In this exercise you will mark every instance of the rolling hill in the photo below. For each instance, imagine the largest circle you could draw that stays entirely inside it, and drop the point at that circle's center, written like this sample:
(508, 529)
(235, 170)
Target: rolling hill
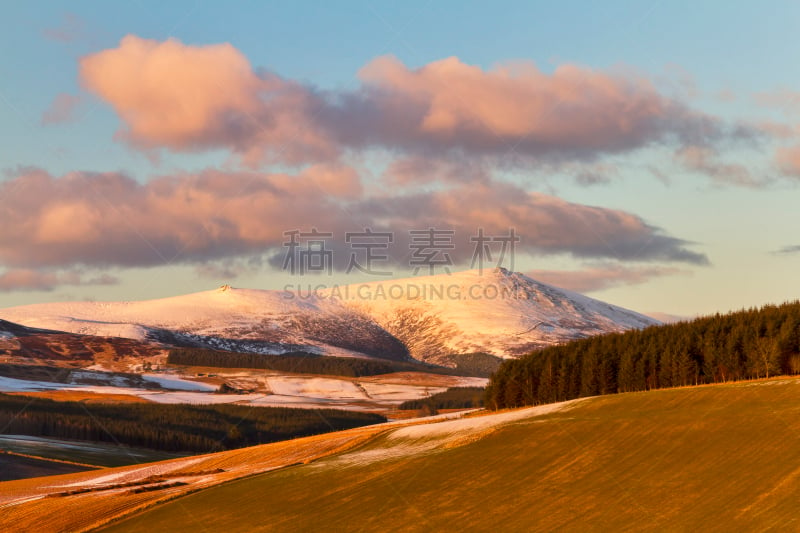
(29, 344)
(716, 458)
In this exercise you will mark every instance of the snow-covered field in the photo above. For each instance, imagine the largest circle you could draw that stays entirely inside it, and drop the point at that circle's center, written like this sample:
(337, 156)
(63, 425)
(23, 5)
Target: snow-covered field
(176, 383)
(274, 390)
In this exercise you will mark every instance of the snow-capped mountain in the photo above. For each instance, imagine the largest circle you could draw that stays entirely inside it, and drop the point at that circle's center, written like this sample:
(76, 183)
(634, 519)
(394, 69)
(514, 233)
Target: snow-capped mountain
(494, 311)
(226, 318)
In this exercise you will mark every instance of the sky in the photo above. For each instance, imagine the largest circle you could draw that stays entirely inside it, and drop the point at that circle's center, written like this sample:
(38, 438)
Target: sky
(644, 153)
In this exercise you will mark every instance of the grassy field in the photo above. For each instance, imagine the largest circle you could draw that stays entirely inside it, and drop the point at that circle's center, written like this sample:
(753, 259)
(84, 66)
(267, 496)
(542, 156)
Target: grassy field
(84, 501)
(717, 458)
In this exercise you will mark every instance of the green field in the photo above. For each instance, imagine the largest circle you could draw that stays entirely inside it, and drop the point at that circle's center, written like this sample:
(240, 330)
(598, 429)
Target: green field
(717, 458)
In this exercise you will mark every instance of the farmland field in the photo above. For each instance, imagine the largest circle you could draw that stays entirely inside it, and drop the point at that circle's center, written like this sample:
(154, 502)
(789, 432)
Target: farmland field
(20, 467)
(707, 458)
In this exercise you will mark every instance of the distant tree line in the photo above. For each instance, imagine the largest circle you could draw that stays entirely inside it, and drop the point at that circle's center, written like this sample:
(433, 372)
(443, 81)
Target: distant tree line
(754, 343)
(299, 362)
(452, 398)
(310, 363)
(172, 428)
(477, 364)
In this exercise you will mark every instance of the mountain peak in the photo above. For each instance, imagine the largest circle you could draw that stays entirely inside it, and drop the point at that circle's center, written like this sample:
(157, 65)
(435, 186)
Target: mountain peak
(491, 310)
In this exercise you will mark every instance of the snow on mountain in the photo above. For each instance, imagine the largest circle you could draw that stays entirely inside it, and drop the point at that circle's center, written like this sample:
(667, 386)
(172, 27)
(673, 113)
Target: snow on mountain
(226, 318)
(429, 317)
(494, 311)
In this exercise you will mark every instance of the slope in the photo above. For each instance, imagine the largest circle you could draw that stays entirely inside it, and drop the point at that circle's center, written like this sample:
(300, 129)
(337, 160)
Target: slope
(493, 311)
(716, 458)
(19, 343)
(226, 318)
(431, 317)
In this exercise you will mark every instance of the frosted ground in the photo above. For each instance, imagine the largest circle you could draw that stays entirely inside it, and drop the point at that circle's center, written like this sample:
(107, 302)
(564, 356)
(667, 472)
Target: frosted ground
(269, 390)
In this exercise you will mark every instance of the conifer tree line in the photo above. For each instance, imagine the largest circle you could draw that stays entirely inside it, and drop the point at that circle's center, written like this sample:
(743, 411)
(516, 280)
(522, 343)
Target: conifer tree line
(754, 343)
(297, 362)
(452, 398)
(171, 428)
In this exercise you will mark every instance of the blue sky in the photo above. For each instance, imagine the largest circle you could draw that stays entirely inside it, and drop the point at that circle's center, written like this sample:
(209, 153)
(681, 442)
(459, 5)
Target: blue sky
(728, 197)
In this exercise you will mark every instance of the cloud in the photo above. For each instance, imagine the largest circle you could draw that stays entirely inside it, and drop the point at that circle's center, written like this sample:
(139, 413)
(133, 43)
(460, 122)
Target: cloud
(218, 271)
(190, 98)
(414, 170)
(109, 219)
(787, 100)
(103, 220)
(703, 159)
(186, 98)
(23, 279)
(725, 95)
(776, 130)
(62, 109)
(788, 250)
(513, 108)
(549, 225)
(788, 159)
(601, 277)
(589, 174)
(71, 28)
(230, 268)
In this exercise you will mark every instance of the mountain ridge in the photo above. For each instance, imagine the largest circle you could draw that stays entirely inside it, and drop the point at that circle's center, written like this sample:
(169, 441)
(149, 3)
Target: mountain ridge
(426, 318)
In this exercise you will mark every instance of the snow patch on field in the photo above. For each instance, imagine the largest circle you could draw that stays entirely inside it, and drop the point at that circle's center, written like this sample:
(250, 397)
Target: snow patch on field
(153, 469)
(397, 393)
(282, 391)
(314, 387)
(440, 432)
(475, 424)
(24, 385)
(176, 383)
(197, 398)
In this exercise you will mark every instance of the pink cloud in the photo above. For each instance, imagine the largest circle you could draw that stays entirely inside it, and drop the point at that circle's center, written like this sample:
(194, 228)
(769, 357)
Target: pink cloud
(705, 160)
(725, 95)
(187, 98)
(601, 277)
(548, 224)
(783, 98)
(25, 279)
(414, 170)
(788, 159)
(513, 113)
(190, 98)
(70, 29)
(62, 109)
(110, 220)
(460, 105)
